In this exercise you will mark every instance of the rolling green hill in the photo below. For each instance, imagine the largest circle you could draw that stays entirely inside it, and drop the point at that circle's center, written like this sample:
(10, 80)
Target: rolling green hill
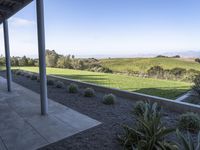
(143, 64)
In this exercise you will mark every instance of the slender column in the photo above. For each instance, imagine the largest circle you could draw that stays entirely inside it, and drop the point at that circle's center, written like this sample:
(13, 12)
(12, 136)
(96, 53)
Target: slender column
(41, 51)
(7, 54)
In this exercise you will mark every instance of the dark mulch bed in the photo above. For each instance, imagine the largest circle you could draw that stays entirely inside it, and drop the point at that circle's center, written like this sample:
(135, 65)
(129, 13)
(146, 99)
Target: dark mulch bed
(102, 137)
(194, 99)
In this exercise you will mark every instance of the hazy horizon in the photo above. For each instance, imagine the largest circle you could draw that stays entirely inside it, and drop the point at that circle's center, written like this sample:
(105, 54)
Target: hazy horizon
(108, 27)
(184, 54)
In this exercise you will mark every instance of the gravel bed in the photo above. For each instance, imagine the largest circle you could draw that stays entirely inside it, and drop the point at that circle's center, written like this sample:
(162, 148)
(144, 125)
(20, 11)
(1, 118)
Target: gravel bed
(193, 98)
(102, 137)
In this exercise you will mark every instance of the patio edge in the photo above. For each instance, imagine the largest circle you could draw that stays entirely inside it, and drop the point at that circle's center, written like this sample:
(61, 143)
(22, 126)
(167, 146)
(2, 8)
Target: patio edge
(177, 106)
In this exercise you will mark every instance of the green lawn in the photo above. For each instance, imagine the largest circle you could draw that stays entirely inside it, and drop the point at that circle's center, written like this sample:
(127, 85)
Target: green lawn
(143, 64)
(162, 88)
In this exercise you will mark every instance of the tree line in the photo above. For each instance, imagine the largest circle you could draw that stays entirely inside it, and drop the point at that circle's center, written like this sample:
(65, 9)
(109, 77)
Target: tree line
(56, 60)
(20, 61)
(53, 59)
(172, 74)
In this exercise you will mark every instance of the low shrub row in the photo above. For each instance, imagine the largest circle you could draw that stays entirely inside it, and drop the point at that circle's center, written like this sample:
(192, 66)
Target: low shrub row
(108, 99)
(172, 74)
(158, 72)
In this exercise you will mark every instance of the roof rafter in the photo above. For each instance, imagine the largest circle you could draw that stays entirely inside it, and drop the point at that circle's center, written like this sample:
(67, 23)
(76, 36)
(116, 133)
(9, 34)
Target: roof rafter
(5, 9)
(10, 7)
(15, 1)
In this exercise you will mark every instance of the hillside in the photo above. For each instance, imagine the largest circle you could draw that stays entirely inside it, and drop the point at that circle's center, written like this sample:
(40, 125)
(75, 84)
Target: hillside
(143, 64)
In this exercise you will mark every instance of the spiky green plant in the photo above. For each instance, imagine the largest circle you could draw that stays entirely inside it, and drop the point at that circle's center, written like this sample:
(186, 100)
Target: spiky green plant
(148, 133)
(189, 121)
(141, 106)
(186, 142)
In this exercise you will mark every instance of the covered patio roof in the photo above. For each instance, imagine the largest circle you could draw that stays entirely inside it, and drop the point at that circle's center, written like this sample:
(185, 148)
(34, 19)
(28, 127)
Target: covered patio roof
(9, 7)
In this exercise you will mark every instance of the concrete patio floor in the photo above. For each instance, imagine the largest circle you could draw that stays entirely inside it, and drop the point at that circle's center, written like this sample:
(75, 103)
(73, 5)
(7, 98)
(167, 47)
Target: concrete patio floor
(23, 128)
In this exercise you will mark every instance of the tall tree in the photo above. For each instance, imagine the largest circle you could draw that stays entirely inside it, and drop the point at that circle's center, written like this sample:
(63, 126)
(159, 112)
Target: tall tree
(51, 58)
(23, 61)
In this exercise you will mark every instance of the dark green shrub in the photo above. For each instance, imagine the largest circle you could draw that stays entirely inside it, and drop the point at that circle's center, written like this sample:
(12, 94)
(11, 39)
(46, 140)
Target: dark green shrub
(107, 70)
(197, 60)
(100, 69)
(73, 88)
(18, 72)
(167, 74)
(109, 99)
(148, 132)
(59, 84)
(33, 77)
(38, 78)
(50, 82)
(186, 142)
(156, 71)
(191, 75)
(189, 121)
(22, 73)
(140, 107)
(28, 75)
(176, 56)
(89, 92)
(14, 71)
(196, 86)
(178, 72)
(161, 56)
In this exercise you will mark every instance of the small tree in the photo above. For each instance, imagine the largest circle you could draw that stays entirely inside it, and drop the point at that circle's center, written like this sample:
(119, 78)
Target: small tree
(2, 60)
(156, 71)
(51, 60)
(23, 61)
(31, 62)
(178, 72)
(196, 86)
(64, 62)
(14, 61)
(197, 60)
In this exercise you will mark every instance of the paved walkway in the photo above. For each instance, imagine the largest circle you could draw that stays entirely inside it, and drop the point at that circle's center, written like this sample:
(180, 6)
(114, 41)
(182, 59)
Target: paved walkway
(183, 97)
(23, 128)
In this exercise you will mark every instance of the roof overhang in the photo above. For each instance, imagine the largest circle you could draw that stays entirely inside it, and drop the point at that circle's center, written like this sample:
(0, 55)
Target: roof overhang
(9, 7)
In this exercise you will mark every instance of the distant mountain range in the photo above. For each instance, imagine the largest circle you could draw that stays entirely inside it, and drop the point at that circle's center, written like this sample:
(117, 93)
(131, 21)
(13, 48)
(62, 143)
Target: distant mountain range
(187, 54)
(190, 53)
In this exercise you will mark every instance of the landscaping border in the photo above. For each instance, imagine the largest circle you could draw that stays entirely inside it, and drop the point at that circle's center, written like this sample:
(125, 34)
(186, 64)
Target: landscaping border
(173, 105)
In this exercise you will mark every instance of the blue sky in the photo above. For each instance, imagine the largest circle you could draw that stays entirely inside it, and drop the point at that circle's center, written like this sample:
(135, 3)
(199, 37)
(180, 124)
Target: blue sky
(108, 27)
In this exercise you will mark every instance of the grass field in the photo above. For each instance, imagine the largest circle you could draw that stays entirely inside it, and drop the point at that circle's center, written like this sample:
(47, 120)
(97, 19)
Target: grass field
(162, 88)
(143, 64)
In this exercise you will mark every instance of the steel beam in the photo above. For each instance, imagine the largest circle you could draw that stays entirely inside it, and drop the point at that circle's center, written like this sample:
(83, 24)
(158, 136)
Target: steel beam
(41, 51)
(7, 54)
